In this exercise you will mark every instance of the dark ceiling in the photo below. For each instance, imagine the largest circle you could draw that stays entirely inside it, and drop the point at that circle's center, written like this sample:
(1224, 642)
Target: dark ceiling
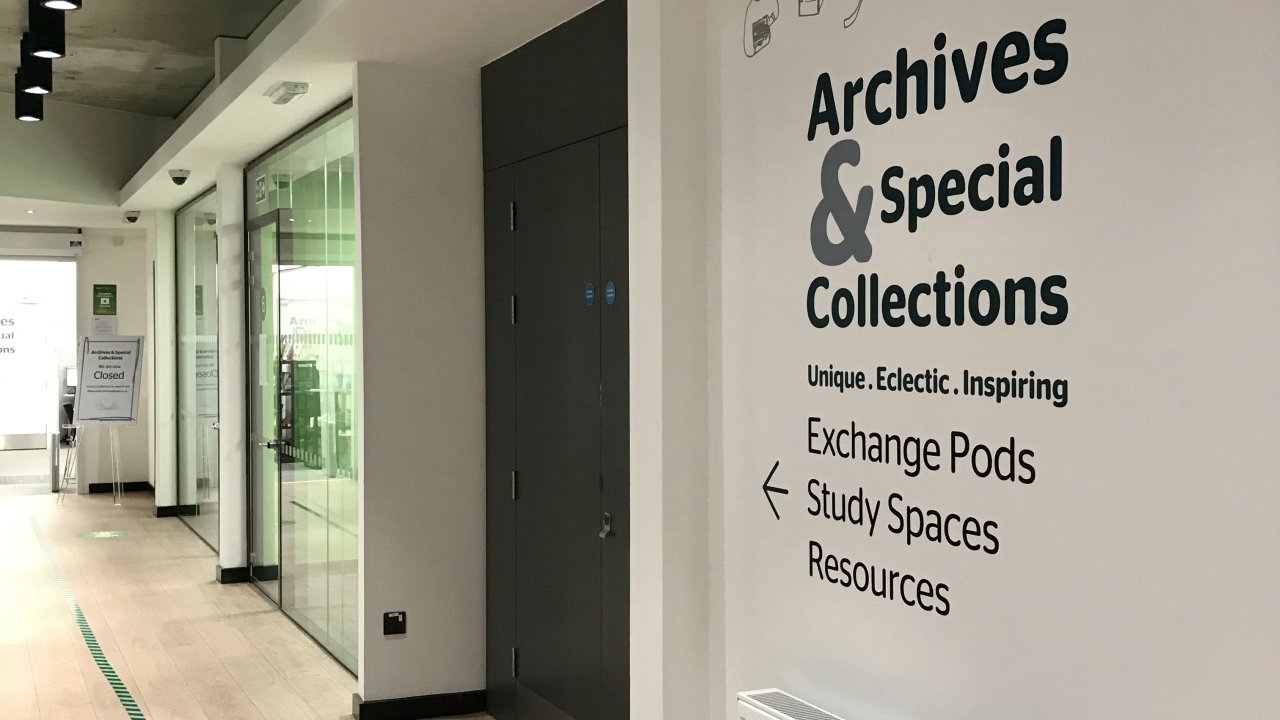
(145, 56)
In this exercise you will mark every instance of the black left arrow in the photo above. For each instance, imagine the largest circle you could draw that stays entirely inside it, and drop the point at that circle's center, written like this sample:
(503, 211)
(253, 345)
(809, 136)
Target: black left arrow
(769, 489)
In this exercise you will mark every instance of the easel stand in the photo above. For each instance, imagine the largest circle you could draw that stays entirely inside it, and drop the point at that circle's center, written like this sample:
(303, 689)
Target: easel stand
(70, 473)
(117, 484)
(110, 371)
(73, 471)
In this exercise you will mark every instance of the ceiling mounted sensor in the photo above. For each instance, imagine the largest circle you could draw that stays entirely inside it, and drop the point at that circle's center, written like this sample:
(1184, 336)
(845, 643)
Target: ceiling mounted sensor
(48, 31)
(35, 74)
(62, 4)
(283, 93)
(27, 107)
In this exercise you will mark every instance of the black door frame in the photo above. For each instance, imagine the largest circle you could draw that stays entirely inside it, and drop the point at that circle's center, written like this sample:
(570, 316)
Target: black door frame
(277, 217)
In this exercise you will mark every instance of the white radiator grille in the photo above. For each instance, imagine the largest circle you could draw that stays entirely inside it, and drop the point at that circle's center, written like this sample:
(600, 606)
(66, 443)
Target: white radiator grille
(786, 706)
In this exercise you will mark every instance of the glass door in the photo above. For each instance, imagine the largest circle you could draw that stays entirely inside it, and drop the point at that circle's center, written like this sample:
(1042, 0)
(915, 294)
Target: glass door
(305, 491)
(268, 420)
(197, 298)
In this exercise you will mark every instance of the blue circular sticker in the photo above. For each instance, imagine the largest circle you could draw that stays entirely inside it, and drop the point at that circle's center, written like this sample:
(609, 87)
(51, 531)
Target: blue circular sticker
(591, 294)
(610, 292)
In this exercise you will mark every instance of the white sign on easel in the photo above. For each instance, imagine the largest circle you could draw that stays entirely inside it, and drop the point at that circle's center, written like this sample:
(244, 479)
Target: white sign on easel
(110, 383)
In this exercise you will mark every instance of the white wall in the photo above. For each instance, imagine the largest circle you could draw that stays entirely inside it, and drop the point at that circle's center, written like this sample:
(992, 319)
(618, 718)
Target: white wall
(78, 154)
(116, 257)
(421, 265)
(675, 576)
(1136, 577)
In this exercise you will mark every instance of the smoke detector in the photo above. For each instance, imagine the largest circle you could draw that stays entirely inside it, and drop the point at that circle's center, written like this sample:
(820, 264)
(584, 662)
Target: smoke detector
(283, 93)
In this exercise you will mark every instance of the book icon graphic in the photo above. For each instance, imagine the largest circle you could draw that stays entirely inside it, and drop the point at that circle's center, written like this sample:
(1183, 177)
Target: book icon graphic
(757, 31)
(849, 21)
(810, 8)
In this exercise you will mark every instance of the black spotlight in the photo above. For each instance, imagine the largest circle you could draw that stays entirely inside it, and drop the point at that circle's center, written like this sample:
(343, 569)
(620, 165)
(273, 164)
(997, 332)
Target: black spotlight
(62, 4)
(27, 107)
(35, 73)
(48, 31)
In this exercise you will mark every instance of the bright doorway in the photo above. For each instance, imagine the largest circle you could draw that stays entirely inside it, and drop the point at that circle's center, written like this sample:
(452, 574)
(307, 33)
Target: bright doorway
(37, 349)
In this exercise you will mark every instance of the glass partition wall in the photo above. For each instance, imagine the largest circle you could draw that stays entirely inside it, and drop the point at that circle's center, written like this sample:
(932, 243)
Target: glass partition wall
(197, 297)
(303, 492)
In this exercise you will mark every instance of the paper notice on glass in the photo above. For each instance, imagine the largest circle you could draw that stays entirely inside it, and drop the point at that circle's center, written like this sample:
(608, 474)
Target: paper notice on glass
(207, 378)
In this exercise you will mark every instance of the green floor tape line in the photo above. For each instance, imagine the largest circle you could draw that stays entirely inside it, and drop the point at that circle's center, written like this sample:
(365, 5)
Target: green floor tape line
(86, 632)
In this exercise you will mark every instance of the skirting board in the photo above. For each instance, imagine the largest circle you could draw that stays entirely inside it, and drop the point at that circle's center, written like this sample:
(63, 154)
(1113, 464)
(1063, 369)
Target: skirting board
(167, 511)
(135, 486)
(421, 707)
(233, 576)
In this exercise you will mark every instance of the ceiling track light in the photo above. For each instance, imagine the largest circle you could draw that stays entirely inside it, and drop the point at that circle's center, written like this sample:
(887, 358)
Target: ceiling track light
(62, 4)
(27, 107)
(35, 74)
(48, 31)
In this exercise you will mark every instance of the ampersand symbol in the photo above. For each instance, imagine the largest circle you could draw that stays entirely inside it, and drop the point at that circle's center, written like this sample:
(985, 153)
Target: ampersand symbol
(851, 221)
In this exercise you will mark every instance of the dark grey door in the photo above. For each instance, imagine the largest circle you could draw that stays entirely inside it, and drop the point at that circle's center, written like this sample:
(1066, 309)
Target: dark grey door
(559, 521)
(615, 423)
(557, 373)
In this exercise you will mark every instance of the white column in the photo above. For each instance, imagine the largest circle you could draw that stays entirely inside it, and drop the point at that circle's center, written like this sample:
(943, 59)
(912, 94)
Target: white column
(232, 410)
(164, 360)
(421, 345)
(677, 615)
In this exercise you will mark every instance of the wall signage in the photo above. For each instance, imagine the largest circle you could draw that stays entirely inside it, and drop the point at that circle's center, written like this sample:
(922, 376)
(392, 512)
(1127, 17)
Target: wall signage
(8, 331)
(918, 86)
(841, 232)
(104, 300)
(995, 361)
(105, 310)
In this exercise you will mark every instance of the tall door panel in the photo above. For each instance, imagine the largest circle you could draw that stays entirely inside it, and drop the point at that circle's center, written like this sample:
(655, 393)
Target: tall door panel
(615, 378)
(559, 519)
(557, 377)
(197, 369)
(500, 428)
(264, 405)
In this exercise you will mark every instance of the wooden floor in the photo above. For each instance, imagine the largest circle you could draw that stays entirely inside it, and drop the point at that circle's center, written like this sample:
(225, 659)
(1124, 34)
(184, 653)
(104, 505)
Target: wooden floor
(186, 647)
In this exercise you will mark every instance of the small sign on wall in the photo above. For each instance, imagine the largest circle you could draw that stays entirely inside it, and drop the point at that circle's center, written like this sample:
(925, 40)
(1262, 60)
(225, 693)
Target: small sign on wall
(105, 308)
(104, 300)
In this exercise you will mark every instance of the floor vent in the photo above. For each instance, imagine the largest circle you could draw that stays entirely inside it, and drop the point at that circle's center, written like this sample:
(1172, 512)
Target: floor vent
(777, 705)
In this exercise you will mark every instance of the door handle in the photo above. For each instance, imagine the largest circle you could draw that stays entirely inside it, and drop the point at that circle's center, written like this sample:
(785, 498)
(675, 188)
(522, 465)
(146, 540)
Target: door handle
(271, 444)
(606, 526)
